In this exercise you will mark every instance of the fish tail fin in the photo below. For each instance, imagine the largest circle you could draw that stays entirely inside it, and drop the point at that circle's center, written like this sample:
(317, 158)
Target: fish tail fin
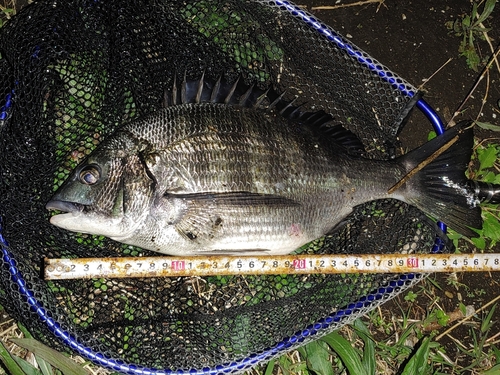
(436, 181)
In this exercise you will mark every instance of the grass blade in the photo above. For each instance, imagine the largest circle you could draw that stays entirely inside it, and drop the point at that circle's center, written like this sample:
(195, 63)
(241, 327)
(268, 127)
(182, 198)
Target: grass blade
(45, 367)
(349, 356)
(56, 359)
(318, 358)
(270, 367)
(487, 323)
(9, 362)
(418, 362)
(28, 368)
(488, 126)
(369, 346)
(495, 370)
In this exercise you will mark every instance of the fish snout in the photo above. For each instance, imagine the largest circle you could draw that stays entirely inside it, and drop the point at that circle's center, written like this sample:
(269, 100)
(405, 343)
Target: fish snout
(63, 206)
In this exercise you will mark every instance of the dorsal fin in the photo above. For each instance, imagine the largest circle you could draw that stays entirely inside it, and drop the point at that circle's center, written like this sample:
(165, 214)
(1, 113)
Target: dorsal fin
(261, 98)
(277, 100)
(200, 89)
(340, 135)
(213, 95)
(289, 110)
(205, 90)
(246, 97)
(230, 95)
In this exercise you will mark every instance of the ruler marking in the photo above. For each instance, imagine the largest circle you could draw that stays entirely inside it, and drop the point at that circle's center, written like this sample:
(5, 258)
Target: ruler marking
(284, 264)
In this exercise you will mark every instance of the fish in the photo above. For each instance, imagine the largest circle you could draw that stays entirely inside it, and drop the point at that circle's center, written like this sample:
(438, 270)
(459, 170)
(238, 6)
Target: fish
(227, 168)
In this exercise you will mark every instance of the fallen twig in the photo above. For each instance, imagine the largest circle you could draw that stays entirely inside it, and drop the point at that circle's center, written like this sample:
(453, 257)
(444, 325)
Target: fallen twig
(467, 318)
(453, 316)
(357, 3)
(423, 164)
(433, 74)
(488, 40)
(492, 59)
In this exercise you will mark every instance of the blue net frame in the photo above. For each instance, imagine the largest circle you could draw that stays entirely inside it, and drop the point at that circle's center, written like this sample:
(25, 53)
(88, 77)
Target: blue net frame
(310, 332)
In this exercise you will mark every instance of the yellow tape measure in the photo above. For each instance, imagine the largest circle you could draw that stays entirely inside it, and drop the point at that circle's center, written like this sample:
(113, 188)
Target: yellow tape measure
(85, 268)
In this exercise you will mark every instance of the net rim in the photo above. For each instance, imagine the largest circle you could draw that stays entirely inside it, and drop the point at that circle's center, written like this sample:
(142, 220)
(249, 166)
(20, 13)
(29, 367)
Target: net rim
(307, 334)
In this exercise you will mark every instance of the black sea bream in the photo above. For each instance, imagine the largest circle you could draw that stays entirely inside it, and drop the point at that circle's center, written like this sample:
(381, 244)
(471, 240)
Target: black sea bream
(216, 172)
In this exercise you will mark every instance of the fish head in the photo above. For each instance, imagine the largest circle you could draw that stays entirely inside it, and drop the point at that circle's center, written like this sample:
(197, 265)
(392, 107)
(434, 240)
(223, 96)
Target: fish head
(109, 194)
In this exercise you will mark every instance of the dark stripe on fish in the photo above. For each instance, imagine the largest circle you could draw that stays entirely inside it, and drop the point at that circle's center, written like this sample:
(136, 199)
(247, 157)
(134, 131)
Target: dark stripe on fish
(237, 198)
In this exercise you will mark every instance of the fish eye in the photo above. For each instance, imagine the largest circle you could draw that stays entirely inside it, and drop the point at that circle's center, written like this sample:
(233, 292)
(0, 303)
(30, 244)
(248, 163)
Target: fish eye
(90, 174)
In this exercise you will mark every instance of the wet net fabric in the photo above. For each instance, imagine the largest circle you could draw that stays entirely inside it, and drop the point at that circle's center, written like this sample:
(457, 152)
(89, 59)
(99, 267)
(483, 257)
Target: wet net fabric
(73, 71)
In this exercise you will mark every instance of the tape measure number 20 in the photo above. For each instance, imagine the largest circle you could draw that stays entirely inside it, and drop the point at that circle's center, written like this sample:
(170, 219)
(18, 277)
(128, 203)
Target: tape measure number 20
(255, 265)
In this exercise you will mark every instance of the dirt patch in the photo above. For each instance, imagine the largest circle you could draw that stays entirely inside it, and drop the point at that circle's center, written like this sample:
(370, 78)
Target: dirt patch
(411, 38)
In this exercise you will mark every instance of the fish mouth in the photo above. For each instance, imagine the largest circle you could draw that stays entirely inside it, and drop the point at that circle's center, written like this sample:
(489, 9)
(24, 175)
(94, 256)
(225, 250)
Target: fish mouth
(63, 206)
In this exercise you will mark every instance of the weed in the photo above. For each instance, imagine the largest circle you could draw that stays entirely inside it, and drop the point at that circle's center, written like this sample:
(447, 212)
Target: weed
(470, 27)
(46, 361)
(485, 167)
(438, 316)
(411, 296)
(7, 10)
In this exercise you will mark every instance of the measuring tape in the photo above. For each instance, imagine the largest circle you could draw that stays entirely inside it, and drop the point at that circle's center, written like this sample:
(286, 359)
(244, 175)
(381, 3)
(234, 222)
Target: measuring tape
(85, 268)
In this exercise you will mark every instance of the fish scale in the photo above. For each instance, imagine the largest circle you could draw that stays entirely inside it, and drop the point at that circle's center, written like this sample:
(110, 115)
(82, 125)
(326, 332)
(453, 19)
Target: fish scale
(240, 178)
(237, 168)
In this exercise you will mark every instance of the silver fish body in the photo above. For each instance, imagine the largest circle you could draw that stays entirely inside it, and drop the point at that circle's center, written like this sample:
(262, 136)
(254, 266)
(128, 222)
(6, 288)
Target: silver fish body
(205, 178)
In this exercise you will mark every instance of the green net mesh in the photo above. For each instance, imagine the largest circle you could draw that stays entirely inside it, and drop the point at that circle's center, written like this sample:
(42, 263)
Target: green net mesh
(72, 71)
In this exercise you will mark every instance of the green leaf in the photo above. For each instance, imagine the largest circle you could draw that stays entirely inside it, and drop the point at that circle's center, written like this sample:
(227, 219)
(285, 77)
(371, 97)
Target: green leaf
(463, 308)
(27, 367)
(318, 358)
(495, 370)
(368, 359)
(417, 364)
(432, 134)
(9, 362)
(487, 126)
(349, 356)
(491, 227)
(488, 8)
(56, 359)
(270, 367)
(466, 21)
(471, 56)
(479, 242)
(488, 177)
(487, 157)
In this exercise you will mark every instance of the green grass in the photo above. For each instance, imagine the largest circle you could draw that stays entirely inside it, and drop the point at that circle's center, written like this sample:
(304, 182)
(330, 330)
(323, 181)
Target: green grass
(470, 28)
(409, 347)
(486, 168)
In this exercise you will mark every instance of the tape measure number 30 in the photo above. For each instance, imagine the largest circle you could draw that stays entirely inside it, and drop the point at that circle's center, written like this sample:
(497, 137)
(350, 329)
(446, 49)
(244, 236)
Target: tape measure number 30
(254, 265)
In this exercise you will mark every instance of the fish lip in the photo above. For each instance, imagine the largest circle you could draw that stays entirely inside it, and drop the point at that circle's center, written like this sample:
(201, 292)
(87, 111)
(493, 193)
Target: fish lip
(64, 206)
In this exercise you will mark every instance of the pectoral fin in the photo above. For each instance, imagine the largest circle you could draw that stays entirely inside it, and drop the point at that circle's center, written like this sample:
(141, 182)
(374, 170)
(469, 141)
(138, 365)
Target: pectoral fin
(205, 215)
(199, 227)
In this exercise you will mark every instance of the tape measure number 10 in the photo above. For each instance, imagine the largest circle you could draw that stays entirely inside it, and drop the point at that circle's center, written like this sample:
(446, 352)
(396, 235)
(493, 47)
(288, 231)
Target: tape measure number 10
(254, 265)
